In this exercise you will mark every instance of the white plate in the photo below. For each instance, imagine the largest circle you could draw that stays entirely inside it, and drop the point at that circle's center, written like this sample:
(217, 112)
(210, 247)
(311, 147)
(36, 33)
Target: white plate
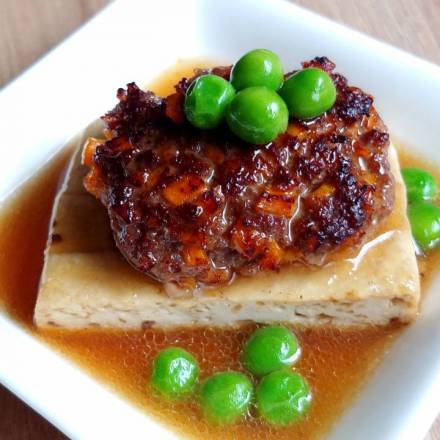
(135, 41)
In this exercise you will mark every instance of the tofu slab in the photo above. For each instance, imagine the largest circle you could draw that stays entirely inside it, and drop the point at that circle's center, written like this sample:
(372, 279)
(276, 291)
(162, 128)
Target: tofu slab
(87, 283)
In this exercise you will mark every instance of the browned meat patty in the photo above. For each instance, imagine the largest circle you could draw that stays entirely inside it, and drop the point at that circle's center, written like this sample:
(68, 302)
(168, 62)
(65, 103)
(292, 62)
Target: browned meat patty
(197, 207)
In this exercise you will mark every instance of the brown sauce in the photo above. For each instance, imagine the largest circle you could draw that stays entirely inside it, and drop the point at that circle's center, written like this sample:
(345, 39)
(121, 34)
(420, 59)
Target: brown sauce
(337, 364)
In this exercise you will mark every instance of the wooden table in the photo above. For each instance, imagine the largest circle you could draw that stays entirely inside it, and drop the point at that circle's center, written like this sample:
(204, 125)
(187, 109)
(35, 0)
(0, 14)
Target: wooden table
(28, 28)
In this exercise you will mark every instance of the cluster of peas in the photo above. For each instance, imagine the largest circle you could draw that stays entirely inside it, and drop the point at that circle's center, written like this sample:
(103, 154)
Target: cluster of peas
(256, 102)
(282, 396)
(424, 215)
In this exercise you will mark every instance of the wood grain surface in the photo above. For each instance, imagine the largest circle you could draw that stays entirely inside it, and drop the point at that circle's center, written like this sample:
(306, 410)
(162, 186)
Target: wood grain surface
(29, 28)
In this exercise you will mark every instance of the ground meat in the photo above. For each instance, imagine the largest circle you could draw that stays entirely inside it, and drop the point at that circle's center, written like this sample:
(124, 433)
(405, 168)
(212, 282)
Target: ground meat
(197, 207)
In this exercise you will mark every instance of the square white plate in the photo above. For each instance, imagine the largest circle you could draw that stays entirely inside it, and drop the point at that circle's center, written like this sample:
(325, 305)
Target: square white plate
(129, 41)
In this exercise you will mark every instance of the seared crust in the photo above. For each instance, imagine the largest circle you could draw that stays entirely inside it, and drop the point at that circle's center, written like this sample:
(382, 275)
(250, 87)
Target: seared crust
(195, 207)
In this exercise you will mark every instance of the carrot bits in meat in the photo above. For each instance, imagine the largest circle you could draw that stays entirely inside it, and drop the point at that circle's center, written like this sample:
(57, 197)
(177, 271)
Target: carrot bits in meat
(89, 150)
(273, 256)
(276, 205)
(183, 190)
(195, 256)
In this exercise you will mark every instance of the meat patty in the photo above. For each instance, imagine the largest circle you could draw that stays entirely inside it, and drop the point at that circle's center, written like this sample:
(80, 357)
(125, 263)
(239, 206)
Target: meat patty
(195, 207)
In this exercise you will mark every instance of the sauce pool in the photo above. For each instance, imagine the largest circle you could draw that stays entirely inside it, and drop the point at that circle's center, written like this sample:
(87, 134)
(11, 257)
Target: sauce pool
(337, 364)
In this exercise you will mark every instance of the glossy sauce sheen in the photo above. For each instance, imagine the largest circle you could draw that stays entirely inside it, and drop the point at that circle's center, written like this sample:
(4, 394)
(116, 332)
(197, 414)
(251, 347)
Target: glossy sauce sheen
(335, 363)
(197, 208)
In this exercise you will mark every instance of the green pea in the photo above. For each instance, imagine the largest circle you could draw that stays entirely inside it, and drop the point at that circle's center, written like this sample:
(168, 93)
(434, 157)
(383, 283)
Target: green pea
(226, 396)
(206, 101)
(425, 224)
(308, 93)
(175, 373)
(257, 115)
(420, 185)
(259, 67)
(283, 397)
(269, 349)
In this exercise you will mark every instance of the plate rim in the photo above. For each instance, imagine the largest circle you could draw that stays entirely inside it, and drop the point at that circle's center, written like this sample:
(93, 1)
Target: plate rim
(428, 67)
